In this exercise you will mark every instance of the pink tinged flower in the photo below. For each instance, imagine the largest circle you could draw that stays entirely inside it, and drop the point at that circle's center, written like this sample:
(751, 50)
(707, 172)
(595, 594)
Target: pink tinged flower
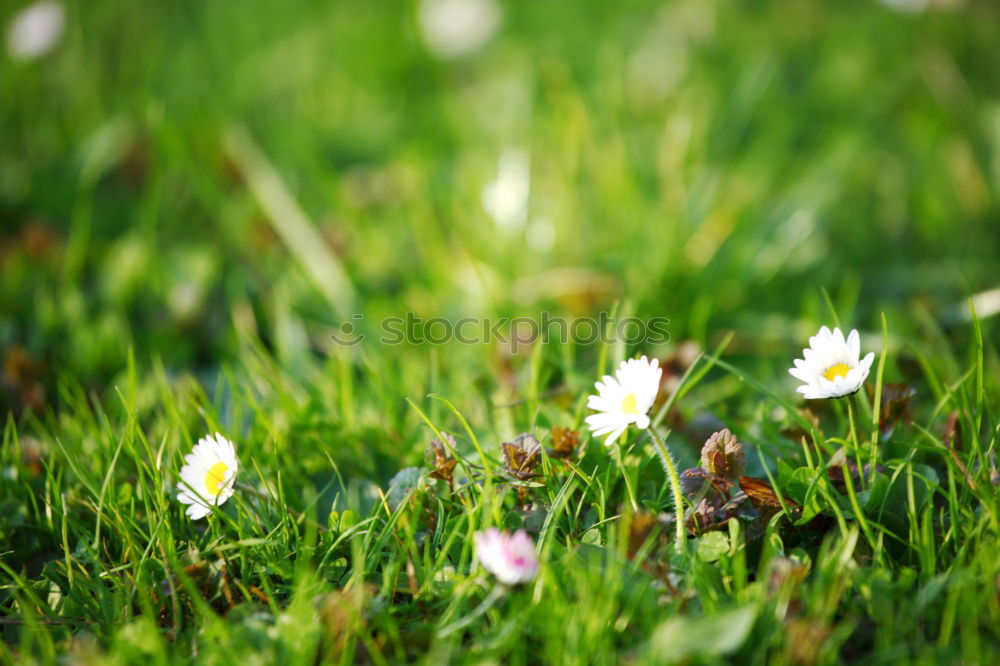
(509, 557)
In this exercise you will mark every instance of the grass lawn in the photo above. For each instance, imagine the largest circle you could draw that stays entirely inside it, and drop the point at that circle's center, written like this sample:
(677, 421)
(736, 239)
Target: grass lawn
(371, 242)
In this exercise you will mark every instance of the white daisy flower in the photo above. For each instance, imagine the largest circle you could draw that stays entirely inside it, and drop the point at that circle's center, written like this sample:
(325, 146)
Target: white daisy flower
(624, 399)
(35, 30)
(208, 476)
(832, 366)
(509, 557)
(452, 28)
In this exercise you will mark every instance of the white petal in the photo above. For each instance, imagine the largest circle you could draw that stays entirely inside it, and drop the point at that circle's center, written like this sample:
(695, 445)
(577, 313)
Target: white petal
(605, 429)
(603, 418)
(607, 383)
(800, 374)
(854, 343)
(838, 338)
(603, 403)
(197, 511)
(613, 437)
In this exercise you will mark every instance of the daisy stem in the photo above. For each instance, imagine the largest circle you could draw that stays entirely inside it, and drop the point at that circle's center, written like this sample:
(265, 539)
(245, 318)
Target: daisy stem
(856, 444)
(675, 485)
(628, 480)
(877, 401)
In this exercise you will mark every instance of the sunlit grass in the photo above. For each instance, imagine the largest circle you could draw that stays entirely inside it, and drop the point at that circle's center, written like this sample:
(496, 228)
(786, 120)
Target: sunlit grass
(899, 566)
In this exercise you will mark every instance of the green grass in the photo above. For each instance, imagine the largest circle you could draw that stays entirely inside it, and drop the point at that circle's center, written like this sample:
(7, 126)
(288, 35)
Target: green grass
(100, 556)
(194, 197)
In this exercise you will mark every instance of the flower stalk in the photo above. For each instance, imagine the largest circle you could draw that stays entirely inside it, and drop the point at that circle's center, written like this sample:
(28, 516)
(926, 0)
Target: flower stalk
(620, 459)
(675, 486)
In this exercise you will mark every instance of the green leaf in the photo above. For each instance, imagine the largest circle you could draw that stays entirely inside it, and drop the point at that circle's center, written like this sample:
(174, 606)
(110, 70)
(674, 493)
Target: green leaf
(139, 639)
(712, 546)
(872, 498)
(785, 472)
(711, 636)
(803, 487)
(348, 519)
(925, 479)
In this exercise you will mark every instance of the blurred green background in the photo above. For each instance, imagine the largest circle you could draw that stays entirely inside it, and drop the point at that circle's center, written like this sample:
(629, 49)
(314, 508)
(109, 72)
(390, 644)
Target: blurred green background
(178, 177)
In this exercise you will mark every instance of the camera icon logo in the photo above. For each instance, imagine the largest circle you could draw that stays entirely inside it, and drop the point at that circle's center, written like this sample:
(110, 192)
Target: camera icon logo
(348, 334)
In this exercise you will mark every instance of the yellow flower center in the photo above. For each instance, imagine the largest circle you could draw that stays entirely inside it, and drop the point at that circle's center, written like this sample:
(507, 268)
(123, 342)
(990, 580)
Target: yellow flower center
(216, 477)
(838, 370)
(629, 405)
